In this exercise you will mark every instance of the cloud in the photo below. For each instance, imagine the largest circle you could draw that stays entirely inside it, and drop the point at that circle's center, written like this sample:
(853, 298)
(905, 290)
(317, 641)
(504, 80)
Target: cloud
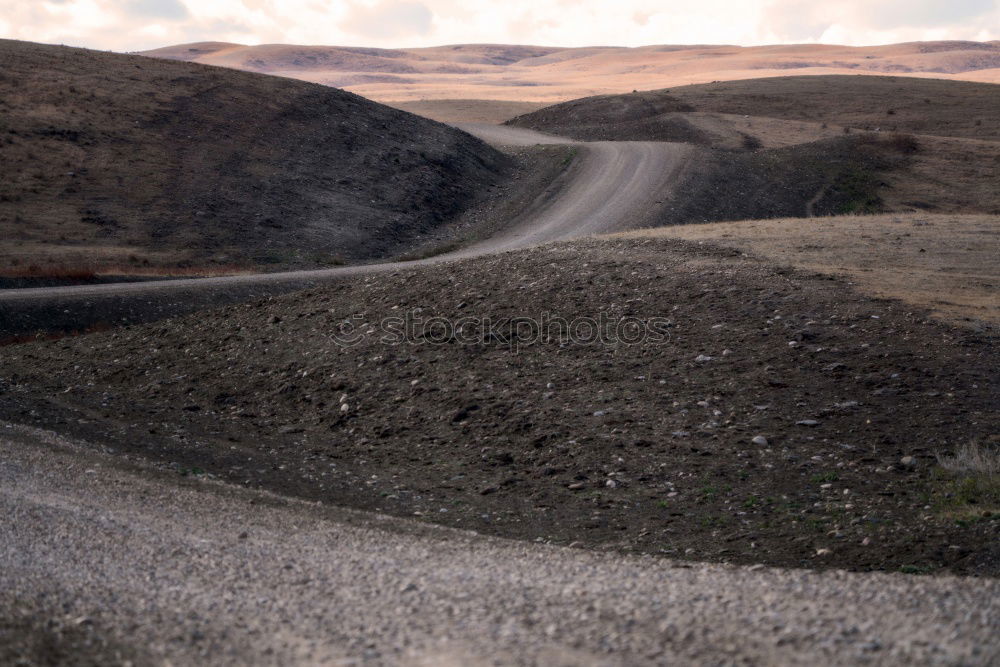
(797, 20)
(173, 10)
(389, 18)
(925, 13)
(143, 24)
(860, 22)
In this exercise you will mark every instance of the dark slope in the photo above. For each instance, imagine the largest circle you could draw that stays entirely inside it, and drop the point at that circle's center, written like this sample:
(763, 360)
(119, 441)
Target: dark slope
(113, 157)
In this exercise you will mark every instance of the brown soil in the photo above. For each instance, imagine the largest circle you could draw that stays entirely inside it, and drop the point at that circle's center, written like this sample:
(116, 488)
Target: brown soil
(947, 175)
(111, 159)
(945, 263)
(643, 447)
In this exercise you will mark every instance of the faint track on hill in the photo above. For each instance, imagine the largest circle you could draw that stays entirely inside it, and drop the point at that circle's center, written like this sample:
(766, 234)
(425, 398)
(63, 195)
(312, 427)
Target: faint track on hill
(609, 186)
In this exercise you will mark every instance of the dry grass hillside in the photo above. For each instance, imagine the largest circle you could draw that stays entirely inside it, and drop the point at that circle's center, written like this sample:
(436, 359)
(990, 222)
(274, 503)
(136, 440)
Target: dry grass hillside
(949, 264)
(888, 104)
(113, 159)
(549, 74)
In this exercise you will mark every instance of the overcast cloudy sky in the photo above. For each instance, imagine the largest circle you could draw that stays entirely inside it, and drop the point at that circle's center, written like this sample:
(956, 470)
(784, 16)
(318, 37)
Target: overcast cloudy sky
(140, 24)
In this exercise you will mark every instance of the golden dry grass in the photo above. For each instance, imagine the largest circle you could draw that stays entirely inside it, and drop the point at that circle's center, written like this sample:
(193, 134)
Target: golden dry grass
(549, 74)
(949, 264)
(882, 103)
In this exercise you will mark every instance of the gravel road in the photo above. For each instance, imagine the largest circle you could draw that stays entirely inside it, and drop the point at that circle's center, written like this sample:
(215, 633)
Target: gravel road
(165, 569)
(610, 186)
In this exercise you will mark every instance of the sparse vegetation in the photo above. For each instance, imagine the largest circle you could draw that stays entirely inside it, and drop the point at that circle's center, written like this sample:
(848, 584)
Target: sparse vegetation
(973, 460)
(972, 487)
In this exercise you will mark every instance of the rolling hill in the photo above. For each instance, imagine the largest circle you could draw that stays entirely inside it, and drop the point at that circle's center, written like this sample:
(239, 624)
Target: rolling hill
(886, 103)
(118, 159)
(552, 74)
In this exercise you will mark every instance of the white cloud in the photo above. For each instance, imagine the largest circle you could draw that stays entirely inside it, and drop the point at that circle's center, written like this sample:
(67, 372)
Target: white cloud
(389, 19)
(884, 21)
(161, 9)
(135, 24)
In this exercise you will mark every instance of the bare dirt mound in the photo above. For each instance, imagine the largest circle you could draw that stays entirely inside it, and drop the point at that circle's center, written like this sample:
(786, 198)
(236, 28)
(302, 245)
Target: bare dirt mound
(781, 417)
(889, 104)
(122, 159)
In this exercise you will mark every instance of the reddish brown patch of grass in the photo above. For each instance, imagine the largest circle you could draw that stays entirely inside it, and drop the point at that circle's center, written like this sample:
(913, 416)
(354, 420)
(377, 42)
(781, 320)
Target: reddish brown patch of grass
(30, 338)
(92, 272)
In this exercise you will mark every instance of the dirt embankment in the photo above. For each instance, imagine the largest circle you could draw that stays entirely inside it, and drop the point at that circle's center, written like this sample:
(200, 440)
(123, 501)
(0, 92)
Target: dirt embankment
(782, 418)
(116, 160)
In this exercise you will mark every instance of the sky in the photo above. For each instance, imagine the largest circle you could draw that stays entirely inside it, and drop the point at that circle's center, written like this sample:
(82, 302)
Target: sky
(128, 25)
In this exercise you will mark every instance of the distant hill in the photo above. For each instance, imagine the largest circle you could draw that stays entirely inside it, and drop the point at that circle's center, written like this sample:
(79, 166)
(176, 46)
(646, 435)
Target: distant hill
(552, 74)
(893, 104)
(119, 158)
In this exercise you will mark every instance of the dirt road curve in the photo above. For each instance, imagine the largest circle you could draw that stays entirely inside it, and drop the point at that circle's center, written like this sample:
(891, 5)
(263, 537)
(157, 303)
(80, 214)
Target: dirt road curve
(156, 567)
(611, 186)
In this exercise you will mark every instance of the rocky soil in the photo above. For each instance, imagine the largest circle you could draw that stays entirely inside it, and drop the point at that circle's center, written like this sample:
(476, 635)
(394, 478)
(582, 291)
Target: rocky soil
(781, 418)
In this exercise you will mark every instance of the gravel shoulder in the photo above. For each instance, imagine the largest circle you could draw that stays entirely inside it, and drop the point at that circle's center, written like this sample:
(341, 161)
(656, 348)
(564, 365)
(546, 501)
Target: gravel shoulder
(109, 561)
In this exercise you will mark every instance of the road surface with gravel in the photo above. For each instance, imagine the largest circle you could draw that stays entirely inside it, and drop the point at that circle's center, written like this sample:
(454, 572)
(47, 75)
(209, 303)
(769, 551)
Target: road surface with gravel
(145, 565)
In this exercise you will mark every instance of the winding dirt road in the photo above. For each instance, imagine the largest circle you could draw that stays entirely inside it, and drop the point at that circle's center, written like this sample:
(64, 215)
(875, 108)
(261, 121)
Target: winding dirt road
(610, 186)
(107, 560)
